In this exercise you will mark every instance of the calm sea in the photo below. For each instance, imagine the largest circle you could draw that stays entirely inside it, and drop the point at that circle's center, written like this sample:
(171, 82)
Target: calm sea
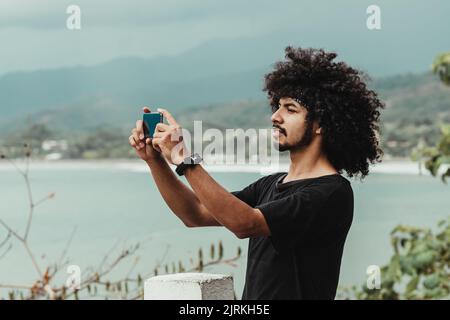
(113, 205)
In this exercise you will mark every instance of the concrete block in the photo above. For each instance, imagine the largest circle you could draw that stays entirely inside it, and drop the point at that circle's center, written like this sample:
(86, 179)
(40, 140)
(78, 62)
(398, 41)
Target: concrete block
(189, 286)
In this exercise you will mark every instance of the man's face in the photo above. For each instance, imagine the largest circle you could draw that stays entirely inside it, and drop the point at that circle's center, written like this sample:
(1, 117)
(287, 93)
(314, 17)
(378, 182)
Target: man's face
(290, 128)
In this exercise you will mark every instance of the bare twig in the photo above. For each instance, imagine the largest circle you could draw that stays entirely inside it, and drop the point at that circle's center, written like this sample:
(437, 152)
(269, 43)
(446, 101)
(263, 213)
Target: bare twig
(23, 239)
(66, 248)
(24, 243)
(135, 262)
(14, 165)
(6, 251)
(47, 197)
(122, 255)
(27, 157)
(106, 256)
(216, 262)
(33, 259)
(31, 209)
(160, 262)
(8, 236)
(8, 228)
(95, 276)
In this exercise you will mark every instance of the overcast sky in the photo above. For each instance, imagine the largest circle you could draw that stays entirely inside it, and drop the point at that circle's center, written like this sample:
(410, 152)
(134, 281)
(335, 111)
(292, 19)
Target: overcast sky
(33, 33)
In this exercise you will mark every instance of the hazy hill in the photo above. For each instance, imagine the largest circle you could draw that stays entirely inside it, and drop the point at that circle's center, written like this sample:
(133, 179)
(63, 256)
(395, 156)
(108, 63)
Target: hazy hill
(193, 77)
(224, 93)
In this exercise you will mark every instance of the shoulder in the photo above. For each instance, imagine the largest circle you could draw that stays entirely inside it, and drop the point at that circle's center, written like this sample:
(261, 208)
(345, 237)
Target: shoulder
(328, 188)
(333, 198)
(331, 183)
(341, 187)
(341, 199)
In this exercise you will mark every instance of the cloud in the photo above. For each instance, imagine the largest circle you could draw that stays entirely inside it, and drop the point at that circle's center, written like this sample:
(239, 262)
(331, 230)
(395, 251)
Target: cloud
(118, 13)
(33, 33)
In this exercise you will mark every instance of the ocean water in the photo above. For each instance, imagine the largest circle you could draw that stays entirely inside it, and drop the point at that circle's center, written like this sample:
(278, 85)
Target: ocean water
(114, 205)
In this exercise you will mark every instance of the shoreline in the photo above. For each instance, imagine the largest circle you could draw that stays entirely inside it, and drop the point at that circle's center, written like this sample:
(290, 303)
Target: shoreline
(137, 165)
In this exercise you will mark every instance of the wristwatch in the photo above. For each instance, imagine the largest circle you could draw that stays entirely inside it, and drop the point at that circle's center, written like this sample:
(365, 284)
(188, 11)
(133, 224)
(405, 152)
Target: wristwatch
(190, 161)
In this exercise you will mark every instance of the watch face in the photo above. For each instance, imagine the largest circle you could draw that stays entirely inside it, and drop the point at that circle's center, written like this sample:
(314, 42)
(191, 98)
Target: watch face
(193, 159)
(196, 158)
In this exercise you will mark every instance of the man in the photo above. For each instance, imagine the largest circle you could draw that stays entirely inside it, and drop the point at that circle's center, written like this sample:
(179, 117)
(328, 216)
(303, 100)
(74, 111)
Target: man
(298, 221)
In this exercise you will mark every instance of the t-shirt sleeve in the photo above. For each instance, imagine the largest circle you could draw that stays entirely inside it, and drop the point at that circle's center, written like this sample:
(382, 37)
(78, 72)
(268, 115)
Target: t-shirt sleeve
(248, 194)
(251, 193)
(291, 219)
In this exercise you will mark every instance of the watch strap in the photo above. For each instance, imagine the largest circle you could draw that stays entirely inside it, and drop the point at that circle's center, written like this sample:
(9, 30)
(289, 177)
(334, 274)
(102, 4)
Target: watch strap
(188, 162)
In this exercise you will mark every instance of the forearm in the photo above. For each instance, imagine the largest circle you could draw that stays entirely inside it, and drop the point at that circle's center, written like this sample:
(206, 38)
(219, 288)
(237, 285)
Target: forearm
(180, 199)
(228, 210)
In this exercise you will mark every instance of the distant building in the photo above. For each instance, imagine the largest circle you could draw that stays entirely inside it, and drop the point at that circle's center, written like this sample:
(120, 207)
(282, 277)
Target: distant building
(53, 156)
(54, 148)
(54, 145)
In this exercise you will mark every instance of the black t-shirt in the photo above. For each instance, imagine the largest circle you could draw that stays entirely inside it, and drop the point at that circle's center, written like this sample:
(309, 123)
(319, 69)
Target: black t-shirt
(309, 220)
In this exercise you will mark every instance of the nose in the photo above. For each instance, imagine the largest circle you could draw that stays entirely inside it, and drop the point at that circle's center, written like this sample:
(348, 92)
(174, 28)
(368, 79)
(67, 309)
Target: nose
(276, 117)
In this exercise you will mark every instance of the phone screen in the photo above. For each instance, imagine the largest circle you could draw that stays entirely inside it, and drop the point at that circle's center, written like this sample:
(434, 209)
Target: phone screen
(150, 121)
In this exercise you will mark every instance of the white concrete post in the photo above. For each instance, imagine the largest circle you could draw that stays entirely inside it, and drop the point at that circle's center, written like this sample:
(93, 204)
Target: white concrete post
(189, 286)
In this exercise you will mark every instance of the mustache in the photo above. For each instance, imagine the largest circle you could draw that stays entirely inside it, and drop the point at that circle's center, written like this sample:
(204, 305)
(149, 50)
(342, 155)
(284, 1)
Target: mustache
(279, 128)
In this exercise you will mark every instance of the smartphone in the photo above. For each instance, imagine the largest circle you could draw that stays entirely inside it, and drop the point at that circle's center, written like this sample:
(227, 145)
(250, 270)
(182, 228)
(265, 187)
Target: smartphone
(150, 121)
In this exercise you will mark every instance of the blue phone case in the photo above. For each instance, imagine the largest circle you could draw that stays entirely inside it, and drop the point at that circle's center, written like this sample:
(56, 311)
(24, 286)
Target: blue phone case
(150, 121)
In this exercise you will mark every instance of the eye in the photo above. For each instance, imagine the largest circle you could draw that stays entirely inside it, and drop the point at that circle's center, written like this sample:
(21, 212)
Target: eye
(275, 108)
(291, 110)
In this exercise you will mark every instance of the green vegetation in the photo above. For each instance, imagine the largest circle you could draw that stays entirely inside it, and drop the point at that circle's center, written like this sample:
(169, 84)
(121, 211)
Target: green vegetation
(441, 67)
(419, 267)
(98, 126)
(101, 143)
(97, 144)
(435, 157)
(440, 153)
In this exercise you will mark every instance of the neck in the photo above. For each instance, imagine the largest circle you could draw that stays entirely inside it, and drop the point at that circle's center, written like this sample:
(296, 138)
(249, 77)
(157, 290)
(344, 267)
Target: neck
(308, 162)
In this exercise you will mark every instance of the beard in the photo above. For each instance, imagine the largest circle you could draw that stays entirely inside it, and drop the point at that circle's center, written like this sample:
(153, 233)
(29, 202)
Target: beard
(304, 141)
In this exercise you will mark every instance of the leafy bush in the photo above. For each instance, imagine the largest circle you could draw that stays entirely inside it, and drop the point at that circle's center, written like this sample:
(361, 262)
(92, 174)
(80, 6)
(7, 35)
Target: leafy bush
(419, 268)
(441, 66)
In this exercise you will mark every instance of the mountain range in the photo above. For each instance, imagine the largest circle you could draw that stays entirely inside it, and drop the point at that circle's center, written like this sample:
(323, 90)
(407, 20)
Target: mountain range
(216, 82)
